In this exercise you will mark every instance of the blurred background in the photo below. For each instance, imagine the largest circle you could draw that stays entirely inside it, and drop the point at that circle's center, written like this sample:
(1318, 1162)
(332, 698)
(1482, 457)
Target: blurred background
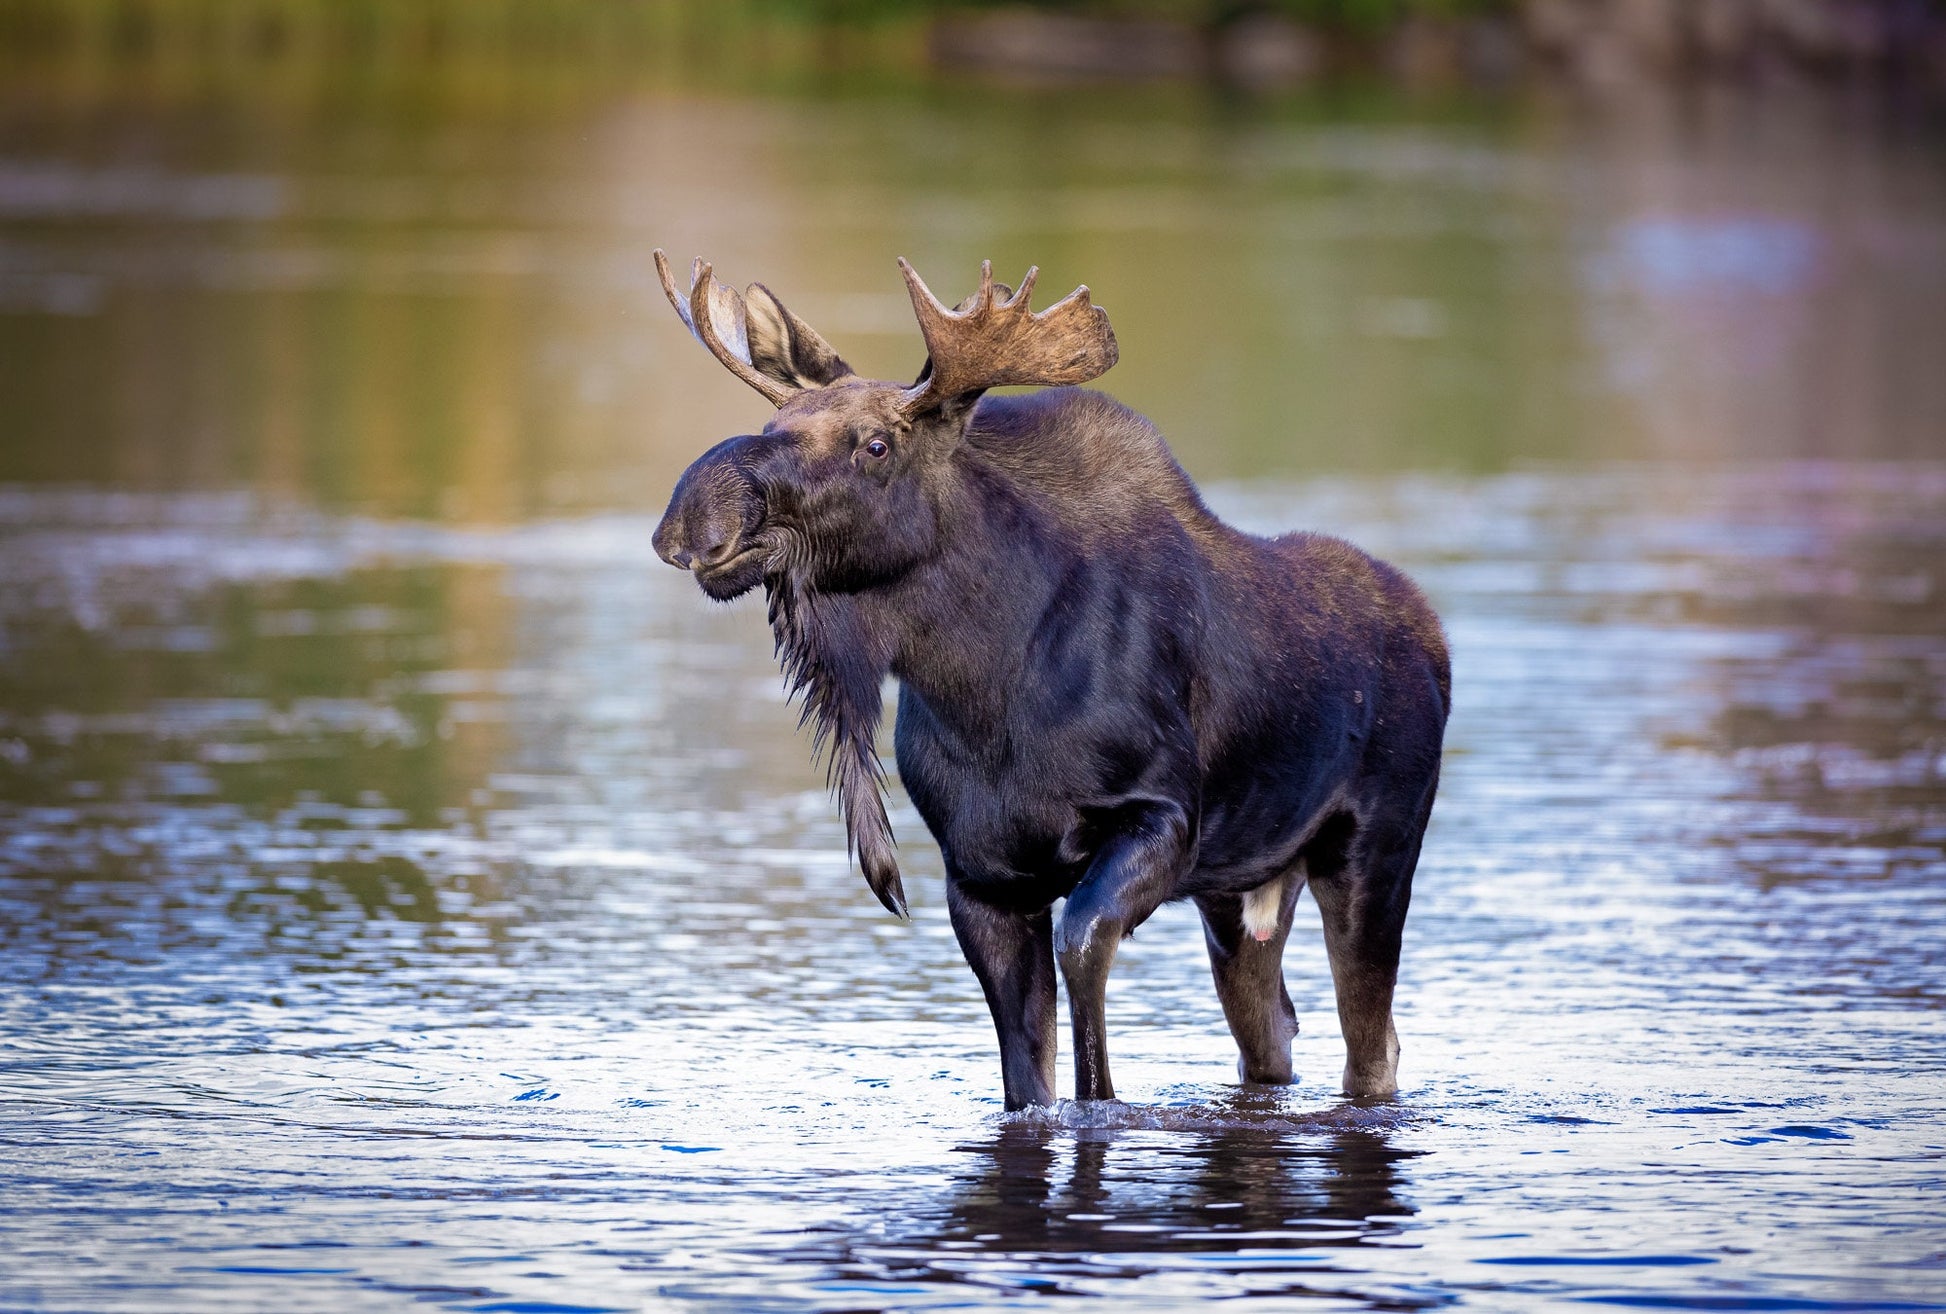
(410, 889)
(395, 256)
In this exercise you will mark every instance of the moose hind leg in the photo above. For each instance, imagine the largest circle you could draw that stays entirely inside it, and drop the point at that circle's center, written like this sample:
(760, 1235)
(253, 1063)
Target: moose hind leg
(1245, 934)
(1363, 886)
(1012, 954)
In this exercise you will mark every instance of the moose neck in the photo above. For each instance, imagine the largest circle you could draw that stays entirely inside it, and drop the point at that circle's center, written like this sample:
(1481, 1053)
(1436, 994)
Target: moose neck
(958, 626)
(955, 628)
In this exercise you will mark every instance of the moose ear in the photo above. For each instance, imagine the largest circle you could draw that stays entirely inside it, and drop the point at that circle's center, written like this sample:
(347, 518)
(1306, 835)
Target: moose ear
(785, 347)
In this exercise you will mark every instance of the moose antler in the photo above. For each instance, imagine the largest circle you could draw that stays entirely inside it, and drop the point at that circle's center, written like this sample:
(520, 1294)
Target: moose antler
(716, 315)
(989, 342)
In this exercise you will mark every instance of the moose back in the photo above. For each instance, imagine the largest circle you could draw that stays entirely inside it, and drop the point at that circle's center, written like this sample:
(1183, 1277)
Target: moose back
(1107, 695)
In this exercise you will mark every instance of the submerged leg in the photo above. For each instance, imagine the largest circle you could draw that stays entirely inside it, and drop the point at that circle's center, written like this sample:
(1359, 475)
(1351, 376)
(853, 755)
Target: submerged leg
(1363, 900)
(1130, 877)
(1246, 956)
(1012, 954)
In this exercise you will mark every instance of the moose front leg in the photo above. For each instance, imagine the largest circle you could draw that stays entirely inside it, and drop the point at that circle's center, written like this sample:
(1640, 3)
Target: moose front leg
(1129, 879)
(1012, 954)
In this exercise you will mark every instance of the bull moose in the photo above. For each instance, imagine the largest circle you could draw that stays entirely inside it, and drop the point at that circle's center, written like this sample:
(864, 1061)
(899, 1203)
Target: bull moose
(1106, 695)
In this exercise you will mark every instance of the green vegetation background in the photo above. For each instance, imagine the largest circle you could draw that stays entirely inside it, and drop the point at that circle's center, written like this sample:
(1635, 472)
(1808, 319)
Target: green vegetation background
(538, 27)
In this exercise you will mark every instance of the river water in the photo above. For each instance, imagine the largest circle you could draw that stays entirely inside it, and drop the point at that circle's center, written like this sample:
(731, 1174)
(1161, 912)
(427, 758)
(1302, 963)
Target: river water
(412, 893)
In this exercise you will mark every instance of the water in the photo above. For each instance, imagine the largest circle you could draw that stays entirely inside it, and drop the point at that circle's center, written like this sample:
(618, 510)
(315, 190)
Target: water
(411, 892)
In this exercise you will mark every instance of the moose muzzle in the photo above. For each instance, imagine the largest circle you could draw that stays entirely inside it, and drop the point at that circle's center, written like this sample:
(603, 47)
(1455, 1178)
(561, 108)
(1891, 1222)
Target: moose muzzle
(712, 521)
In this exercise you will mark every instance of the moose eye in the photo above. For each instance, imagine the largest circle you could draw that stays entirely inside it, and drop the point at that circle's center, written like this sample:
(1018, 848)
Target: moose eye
(877, 450)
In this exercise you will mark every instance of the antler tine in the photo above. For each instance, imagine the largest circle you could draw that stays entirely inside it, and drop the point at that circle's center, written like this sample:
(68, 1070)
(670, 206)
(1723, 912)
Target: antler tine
(703, 306)
(676, 299)
(1024, 297)
(988, 343)
(916, 288)
(713, 308)
(715, 314)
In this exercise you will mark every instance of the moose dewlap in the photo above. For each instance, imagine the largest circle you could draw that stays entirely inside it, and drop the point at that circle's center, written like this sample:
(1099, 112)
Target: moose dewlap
(1107, 695)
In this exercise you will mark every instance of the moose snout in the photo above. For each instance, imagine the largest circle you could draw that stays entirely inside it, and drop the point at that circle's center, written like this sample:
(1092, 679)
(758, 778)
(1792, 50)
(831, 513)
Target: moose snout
(696, 541)
(711, 517)
(704, 558)
(669, 544)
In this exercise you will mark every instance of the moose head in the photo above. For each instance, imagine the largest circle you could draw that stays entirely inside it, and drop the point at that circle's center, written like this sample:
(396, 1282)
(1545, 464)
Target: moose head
(842, 491)
(840, 487)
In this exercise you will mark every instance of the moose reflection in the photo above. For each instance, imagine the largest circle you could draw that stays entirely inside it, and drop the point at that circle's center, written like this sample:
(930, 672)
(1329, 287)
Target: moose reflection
(1046, 1207)
(1108, 695)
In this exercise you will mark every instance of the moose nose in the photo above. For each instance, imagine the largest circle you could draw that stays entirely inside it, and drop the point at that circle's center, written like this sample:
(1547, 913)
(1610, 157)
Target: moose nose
(669, 547)
(713, 512)
(705, 558)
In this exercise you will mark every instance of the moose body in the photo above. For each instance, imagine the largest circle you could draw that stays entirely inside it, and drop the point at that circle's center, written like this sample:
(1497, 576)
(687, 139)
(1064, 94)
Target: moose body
(1107, 695)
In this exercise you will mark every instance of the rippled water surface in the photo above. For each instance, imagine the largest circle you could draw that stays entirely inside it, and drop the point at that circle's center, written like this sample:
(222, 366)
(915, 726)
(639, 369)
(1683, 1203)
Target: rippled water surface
(396, 910)
(412, 892)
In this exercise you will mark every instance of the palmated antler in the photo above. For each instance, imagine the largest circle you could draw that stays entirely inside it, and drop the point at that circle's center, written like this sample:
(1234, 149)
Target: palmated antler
(991, 341)
(716, 315)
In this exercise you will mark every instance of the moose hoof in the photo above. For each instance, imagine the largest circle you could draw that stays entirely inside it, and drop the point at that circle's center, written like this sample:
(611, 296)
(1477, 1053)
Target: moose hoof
(1250, 1076)
(1372, 1085)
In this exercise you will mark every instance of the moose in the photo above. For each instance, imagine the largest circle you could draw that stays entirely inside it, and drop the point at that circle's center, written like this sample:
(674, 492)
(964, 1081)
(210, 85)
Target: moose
(1107, 695)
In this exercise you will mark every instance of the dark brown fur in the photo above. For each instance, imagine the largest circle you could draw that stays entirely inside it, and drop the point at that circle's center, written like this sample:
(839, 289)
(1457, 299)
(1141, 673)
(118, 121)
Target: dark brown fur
(1108, 696)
